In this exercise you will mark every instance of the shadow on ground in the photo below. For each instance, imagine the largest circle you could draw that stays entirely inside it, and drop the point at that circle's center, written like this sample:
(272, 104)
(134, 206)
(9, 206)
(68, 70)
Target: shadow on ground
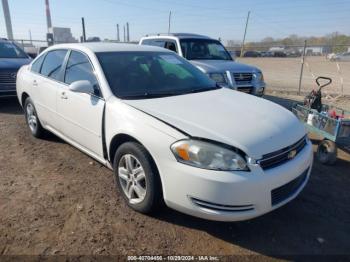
(10, 105)
(287, 103)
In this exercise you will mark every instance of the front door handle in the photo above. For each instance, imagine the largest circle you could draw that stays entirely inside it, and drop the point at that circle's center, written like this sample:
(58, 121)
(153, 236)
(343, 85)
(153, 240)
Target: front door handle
(35, 83)
(64, 95)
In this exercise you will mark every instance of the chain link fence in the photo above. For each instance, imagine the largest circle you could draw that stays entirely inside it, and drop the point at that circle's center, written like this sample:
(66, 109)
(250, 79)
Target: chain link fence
(282, 67)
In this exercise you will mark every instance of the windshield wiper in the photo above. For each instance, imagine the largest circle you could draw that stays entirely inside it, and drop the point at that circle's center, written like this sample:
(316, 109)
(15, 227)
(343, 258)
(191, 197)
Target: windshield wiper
(199, 90)
(148, 95)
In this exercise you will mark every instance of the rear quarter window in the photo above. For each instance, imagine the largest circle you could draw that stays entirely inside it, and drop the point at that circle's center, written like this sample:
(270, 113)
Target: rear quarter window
(36, 66)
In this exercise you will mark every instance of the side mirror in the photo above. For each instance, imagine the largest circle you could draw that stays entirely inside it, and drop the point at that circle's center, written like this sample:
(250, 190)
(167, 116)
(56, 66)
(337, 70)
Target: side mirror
(82, 86)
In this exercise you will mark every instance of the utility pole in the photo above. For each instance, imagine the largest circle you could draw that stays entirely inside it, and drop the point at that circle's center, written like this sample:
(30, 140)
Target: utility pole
(118, 36)
(49, 36)
(169, 24)
(83, 26)
(302, 67)
(124, 33)
(7, 16)
(30, 37)
(245, 33)
(127, 32)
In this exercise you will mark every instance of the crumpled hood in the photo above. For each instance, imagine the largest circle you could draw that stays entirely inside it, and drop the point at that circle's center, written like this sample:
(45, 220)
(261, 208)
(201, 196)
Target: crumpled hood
(252, 124)
(13, 63)
(211, 66)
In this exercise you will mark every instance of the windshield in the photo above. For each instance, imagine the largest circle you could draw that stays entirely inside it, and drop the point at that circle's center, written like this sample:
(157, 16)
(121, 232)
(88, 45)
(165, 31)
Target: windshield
(10, 50)
(207, 49)
(137, 75)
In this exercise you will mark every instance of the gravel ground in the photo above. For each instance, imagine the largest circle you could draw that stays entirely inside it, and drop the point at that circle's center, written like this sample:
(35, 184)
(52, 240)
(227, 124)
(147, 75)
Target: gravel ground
(56, 200)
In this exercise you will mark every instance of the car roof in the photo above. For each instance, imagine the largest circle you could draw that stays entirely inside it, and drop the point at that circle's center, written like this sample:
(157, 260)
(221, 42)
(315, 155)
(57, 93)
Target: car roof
(180, 35)
(109, 47)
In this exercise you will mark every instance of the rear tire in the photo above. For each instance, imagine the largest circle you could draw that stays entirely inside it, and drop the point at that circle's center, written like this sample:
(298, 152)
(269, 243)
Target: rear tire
(32, 119)
(137, 178)
(327, 152)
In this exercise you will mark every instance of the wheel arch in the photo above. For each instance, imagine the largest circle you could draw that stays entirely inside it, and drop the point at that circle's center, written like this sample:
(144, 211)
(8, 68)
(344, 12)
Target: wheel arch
(122, 138)
(24, 96)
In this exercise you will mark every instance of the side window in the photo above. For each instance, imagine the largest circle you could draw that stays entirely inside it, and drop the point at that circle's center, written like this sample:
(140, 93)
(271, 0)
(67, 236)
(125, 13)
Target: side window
(171, 45)
(147, 42)
(36, 66)
(79, 68)
(53, 63)
(156, 42)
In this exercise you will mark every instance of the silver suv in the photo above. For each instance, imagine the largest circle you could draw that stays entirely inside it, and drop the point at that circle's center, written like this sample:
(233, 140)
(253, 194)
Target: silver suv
(210, 56)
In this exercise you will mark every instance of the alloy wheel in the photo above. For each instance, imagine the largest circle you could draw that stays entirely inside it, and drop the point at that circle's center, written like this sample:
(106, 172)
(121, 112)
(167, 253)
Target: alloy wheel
(132, 178)
(31, 118)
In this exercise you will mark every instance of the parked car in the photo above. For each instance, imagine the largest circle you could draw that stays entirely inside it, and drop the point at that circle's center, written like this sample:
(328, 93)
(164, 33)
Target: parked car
(12, 57)
(330, 56)
(93, 39)
(279, 54)
(341, 57)
(251, 54)
(233, 54)
(168, 131)
(266, 54)
(293, 53)
(211, 57)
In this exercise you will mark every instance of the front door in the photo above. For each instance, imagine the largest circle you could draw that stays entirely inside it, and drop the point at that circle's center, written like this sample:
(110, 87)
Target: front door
(80, 115)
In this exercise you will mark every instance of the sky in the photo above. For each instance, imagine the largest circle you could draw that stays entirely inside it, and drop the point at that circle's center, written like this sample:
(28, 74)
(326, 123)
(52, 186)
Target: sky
(223, 19)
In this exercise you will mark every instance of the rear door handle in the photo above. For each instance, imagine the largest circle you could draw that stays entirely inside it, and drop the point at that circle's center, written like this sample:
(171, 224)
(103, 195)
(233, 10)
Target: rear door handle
(64, 95)
(35, 83)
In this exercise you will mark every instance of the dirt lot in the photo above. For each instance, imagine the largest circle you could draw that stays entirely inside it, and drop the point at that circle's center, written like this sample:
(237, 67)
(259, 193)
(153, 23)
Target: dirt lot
(283, 73)
(56, 200)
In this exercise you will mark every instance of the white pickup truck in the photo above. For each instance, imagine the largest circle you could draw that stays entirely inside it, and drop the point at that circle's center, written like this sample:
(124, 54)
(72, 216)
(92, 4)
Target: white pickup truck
(211, 57)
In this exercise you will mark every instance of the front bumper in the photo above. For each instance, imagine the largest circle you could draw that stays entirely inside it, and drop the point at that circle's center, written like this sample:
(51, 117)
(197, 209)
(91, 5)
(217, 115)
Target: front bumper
(257, 89)
(233, 196)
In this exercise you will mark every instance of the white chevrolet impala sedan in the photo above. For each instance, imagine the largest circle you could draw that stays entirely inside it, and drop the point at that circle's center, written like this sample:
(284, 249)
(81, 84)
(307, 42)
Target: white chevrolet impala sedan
(169, 133)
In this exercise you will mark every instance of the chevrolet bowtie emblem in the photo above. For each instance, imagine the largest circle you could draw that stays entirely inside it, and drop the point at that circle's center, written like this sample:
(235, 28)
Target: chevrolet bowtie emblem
(13, 75)
(292, 154)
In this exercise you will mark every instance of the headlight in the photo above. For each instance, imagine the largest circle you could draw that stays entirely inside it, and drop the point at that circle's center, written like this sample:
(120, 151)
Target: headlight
(208, 156)
(259, 77)
(219, 78)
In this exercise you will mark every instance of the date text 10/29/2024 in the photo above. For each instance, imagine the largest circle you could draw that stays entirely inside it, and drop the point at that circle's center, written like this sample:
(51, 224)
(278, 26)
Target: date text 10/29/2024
(173, 258)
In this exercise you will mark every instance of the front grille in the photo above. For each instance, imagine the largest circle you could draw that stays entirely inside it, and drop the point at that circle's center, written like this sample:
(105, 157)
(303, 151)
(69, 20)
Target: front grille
(7, 80)
(281, 156)
(286, 191)
(220, 207)
(243, 78)
(7, 93)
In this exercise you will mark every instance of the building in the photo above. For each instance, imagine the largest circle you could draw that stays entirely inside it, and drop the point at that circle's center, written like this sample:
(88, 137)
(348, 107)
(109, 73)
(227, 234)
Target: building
(63, 35)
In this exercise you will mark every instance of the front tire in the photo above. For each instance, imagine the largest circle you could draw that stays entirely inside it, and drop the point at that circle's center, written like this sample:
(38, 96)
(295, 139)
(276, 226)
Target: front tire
(32, 119)
(137, 178)
(327, 152)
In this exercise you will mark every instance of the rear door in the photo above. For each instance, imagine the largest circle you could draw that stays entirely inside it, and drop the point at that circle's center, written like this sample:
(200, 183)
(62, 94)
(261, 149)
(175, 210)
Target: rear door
(80, 115)
(47, 78)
